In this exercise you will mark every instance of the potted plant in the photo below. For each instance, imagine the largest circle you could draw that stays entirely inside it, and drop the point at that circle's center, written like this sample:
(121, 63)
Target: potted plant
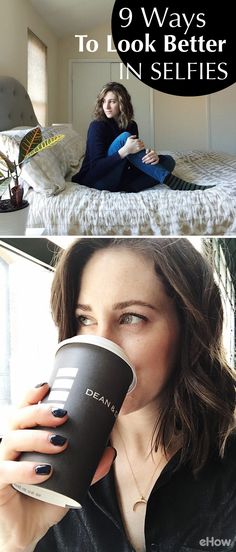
(14, 209)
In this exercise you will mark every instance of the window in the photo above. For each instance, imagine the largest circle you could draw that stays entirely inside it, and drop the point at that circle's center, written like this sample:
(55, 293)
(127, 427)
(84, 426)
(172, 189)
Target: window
(28, 335)
(212, 249)
(37, 76)
(224, 280)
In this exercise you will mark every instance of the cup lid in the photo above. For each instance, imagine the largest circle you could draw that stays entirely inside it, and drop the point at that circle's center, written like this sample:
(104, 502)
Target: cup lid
(105, 343)
(46, 495)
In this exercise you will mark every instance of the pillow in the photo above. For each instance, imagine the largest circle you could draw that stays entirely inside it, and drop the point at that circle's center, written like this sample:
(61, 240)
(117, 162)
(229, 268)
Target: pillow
(69, 151)
(20, 128)
(46, 172)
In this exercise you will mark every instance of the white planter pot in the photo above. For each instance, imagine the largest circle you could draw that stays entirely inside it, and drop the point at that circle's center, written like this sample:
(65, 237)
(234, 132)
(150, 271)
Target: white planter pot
(13, 223)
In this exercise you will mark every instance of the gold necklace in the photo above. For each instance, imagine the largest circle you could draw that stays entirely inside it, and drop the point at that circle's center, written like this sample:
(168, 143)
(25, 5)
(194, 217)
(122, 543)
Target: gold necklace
(143, 496)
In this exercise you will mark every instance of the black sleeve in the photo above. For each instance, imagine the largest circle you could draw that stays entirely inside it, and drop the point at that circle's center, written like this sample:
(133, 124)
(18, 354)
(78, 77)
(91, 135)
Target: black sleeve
(133, 128)
(100, 162)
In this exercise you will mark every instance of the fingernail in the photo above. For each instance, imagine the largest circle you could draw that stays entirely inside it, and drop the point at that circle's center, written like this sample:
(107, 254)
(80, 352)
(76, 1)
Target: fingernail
(40, 384)
(115, 454)
(59, 412)
(45, 469)
(57, 440)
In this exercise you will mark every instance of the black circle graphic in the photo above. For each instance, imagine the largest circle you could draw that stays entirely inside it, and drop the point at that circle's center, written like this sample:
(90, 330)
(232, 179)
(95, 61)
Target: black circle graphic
(180, 48)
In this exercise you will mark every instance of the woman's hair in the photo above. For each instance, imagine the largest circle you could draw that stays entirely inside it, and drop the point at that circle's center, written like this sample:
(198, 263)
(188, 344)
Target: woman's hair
(124, 99)
(200, 395)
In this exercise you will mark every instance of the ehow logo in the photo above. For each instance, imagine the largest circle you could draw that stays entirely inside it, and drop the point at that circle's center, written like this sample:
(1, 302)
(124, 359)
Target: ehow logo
(212, 541)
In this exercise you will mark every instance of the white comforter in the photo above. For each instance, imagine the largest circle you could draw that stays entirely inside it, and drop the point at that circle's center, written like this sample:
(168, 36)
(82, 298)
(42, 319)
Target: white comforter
(159, 211)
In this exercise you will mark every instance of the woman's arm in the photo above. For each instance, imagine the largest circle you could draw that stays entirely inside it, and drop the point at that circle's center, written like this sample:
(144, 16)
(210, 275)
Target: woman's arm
(97, 147)
(23, 520)
(98, 143)
(150, 157)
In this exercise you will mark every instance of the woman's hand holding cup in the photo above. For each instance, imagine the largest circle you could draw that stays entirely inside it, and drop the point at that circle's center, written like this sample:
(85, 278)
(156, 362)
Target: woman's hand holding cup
(23, 520)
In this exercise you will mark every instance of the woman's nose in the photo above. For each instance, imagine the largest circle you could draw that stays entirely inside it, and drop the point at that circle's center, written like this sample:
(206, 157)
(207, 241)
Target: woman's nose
(108, 332)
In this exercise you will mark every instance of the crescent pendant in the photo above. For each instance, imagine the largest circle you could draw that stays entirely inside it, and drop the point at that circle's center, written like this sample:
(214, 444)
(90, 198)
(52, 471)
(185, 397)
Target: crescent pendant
(141, 500)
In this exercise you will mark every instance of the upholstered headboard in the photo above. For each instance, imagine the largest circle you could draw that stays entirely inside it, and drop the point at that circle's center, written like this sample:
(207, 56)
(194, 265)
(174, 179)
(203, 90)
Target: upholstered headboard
(15, 105)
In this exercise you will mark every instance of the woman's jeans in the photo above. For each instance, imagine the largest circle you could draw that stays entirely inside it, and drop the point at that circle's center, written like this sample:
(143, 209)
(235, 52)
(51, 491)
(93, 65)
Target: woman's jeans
(150, 174)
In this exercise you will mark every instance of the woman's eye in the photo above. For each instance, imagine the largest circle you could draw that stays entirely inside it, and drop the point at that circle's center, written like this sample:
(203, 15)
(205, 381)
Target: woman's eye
(130, 318)
(84, 321)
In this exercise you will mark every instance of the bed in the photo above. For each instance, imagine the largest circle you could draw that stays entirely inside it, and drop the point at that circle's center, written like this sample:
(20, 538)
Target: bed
(61, 207)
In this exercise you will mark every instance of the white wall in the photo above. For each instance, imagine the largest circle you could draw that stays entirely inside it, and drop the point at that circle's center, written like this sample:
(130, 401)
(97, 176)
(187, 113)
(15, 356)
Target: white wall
(16, 17)
(222, 119)
(68, 49)
(180, 123)
(201, 122)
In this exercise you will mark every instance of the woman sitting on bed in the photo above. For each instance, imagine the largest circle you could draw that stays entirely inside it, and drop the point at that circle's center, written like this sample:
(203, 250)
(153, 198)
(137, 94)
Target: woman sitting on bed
(116, 159)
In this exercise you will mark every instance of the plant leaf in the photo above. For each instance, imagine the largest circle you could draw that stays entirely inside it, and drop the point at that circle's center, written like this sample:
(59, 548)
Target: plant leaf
(29, 142)
(10, 165)
(45, 144)
(4, 168)
(4, 185)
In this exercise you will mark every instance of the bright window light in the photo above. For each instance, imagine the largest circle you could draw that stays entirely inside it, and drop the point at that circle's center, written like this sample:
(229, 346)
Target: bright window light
(37, 76)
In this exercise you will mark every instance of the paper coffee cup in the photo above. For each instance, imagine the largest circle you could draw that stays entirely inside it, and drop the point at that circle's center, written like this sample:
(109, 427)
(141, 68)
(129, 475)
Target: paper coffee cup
(90, 379)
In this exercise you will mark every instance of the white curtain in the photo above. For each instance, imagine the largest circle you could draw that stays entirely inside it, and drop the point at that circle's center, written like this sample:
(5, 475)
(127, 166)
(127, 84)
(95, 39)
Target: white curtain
(28, 336)
(37, 76)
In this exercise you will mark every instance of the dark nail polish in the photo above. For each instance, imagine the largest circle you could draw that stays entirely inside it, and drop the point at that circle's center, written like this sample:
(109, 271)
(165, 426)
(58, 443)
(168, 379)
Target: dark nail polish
(59, 412)
(57, 440)
(45, 469)
(40, 384)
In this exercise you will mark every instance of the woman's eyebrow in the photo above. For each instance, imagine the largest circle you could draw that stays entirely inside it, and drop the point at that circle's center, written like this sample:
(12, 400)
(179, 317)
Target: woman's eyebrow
(132, 302)
(83, 307)
(119, 306)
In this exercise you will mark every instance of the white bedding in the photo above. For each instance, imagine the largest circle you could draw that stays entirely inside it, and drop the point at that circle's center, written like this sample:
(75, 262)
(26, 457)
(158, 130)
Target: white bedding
(159, 211)
(61, 207)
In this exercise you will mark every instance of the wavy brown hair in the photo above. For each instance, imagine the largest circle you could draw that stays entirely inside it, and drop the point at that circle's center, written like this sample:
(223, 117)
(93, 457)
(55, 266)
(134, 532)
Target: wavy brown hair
(124, 99)
(200, 396)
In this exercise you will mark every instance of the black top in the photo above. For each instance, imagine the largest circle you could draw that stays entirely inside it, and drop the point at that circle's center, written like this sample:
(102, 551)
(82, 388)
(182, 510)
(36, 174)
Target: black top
(96, 163)
(185, 513)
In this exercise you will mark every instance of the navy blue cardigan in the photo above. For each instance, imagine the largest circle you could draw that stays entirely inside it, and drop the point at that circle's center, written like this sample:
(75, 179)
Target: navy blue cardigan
(96, 163)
